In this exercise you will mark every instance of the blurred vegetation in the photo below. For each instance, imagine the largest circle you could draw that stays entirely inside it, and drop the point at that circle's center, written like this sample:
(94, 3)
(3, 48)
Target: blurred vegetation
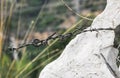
(24, 18)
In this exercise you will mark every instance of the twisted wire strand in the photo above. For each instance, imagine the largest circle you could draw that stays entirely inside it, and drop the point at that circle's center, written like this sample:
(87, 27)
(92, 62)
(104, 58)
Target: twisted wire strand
(38, 43)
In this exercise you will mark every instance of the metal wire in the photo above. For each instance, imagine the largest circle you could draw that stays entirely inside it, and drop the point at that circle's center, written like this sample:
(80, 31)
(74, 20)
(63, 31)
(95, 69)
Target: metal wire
(38, 43)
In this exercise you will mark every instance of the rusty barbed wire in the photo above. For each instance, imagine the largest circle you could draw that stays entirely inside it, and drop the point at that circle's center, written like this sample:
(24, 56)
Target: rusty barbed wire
(38, 43)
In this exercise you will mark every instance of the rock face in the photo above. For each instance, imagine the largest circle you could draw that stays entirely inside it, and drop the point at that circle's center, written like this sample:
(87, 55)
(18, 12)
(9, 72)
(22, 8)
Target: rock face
(90, 54)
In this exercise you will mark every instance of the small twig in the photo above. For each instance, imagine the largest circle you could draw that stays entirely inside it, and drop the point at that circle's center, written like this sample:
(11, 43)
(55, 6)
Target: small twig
(109, 67)
(66, 5)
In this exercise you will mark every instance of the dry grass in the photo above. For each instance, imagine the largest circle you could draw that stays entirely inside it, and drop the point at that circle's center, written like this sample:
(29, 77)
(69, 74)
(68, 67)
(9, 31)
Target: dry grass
(16, 68)
(1, 26)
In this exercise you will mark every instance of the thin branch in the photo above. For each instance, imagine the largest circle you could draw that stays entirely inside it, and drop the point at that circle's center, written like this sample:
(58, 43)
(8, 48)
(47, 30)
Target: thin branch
(75, 12)
(109, 67)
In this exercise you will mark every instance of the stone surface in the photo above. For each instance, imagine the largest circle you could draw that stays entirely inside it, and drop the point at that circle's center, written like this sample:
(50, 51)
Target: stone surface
(90, 54)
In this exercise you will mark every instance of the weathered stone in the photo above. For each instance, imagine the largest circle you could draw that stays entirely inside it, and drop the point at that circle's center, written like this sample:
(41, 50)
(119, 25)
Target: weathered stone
(90, 54)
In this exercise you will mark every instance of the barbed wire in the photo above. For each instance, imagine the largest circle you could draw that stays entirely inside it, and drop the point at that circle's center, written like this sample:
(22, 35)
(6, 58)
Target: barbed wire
(38, 42)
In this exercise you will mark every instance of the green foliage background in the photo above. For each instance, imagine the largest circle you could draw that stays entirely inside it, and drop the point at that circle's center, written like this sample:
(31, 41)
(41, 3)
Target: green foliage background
(40, 15)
